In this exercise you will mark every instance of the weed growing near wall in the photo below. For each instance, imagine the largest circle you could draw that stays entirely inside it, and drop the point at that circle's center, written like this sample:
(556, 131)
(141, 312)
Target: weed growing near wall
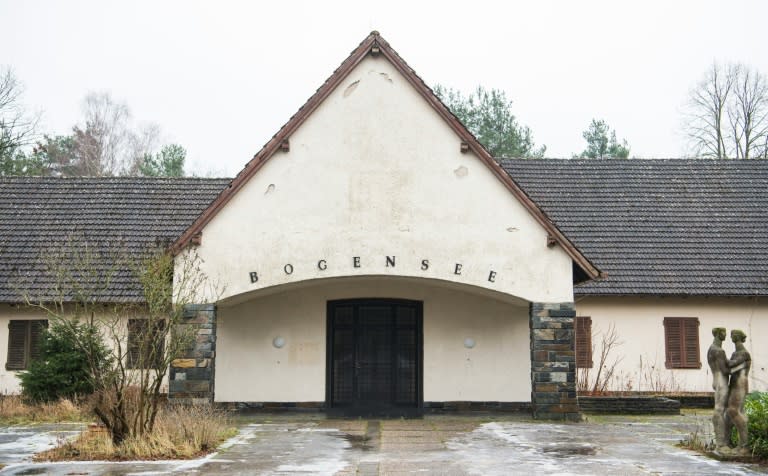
(756, 407)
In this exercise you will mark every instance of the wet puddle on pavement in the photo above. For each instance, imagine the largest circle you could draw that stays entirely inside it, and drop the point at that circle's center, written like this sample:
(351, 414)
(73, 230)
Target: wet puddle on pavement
(357, 442)
(566, 451)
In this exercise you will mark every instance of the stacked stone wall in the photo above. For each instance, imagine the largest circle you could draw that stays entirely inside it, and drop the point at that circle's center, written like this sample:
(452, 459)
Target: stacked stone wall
(191, 376)
(553, 362)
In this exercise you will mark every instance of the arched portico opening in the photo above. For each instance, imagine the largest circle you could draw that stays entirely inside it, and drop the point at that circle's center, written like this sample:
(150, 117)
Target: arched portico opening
(278, 348)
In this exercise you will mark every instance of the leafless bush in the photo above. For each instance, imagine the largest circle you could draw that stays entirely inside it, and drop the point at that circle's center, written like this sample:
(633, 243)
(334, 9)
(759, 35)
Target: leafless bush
(180, 432)
(128, 385)
(657, 378)
(606, 364)
(14, 410)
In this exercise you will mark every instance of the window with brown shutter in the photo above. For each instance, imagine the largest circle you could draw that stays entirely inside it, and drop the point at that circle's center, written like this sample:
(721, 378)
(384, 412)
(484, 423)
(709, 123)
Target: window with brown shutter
(145, 343)
(583, 330)
(681, 340)
(24, 338)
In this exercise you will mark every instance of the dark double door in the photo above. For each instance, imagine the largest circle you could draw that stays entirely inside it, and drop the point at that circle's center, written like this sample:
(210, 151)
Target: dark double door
(374, 357)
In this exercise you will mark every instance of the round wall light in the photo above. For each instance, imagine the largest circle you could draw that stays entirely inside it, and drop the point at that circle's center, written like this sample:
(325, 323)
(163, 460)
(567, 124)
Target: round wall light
(278, 342)
(469, 343)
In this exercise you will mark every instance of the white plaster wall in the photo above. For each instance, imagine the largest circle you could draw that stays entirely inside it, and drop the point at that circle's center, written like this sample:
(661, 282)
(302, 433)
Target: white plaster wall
(9, 382)
(639, 323)
(375, 172)
(250, 368)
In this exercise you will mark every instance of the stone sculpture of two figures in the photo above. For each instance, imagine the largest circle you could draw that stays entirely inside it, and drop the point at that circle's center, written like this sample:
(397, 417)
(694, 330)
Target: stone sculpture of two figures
(729, 380)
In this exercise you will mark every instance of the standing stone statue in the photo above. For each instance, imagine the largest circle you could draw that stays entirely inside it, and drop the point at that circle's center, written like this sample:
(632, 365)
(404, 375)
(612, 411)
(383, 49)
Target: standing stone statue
(719, 365)
(738, 388)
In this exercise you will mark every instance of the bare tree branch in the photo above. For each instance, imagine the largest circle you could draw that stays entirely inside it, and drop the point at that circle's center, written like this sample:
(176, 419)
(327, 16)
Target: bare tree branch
(18, 127)
(128, 388)
(750, 110)
(727, 113)
(102, 141)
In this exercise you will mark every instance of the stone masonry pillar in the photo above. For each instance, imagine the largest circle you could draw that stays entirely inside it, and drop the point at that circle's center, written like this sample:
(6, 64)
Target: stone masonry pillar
(553, 361)
(191, 376)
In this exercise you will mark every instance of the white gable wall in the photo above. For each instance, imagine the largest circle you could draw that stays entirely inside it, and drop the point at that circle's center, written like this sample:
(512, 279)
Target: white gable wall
(375, 172)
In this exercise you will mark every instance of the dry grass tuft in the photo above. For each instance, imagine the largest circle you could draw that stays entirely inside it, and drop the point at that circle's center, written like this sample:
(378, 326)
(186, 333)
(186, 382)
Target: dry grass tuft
(14, 410)
(180, 432)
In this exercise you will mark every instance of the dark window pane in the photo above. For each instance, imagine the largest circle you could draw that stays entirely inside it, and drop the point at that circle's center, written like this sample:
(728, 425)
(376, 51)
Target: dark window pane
(375, 315)
(146, 345)
(344, 316)
(406, 316)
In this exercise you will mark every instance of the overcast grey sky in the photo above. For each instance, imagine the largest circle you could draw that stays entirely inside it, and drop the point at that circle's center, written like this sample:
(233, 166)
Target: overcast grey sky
(221, 77)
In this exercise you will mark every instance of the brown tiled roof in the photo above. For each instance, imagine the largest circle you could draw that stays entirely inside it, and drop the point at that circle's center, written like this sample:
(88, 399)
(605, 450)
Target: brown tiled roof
(659, 227)
(115, 216)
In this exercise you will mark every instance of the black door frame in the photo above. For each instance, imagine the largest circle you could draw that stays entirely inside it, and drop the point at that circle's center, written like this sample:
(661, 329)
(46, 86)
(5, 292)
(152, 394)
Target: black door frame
(392, 411)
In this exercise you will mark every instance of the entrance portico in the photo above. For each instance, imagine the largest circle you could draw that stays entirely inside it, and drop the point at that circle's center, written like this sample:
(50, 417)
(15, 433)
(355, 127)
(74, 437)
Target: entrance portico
(493, 366)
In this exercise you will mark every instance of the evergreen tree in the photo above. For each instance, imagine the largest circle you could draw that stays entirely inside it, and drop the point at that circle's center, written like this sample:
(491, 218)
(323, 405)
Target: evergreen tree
(169, 162)
(487, 113)
(64, 368)
(602, 143)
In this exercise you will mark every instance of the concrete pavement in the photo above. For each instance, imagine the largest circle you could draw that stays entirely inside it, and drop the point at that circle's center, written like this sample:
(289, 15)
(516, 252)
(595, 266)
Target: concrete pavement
(444, 445)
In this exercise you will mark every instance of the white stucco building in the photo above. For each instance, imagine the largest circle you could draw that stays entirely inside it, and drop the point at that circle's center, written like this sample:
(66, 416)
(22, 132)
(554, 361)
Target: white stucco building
(374, 258)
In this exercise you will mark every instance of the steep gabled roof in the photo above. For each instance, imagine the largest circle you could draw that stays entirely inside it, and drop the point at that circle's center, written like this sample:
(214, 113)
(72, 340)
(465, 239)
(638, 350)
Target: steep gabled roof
(116, 217)
(659, 227)
(374, 44)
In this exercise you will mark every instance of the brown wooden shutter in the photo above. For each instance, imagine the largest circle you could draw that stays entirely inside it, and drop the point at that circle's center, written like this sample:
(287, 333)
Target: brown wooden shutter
(17, 345)
(36, 329)
(691, 343)
(24, 339)
(672, 342)
(583, 331)
(681, 340)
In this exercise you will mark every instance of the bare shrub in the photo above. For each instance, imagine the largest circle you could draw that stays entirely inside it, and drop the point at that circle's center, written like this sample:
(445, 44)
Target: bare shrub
(623, 382)
(143, 336)
(606, 364)
(582, 380)
(656, 378)
(14, 410)
(181, 431)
